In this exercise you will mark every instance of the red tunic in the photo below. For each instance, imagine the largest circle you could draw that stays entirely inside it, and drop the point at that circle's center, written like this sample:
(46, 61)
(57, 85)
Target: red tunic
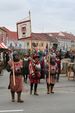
(18, 78)
(34, 74)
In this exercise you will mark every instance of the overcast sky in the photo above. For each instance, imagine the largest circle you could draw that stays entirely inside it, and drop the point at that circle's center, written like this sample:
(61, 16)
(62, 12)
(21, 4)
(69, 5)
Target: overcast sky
(46, 15)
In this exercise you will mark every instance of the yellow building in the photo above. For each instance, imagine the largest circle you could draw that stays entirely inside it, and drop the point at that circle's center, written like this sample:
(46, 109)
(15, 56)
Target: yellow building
(39, 41)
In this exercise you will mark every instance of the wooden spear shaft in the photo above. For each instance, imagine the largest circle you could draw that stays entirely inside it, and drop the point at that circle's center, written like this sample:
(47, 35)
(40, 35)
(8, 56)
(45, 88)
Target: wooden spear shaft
(13, 75)
(49, 69)
(48, 58)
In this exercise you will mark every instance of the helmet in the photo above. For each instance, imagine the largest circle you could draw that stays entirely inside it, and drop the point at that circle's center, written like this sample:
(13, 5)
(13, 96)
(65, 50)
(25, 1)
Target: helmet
(15, 55)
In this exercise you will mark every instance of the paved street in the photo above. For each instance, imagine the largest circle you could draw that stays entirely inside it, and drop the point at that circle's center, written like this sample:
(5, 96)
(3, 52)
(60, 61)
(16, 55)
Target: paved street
(62, 101)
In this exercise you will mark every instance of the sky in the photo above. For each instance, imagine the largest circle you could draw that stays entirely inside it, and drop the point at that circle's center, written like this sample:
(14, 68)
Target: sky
(46, 15)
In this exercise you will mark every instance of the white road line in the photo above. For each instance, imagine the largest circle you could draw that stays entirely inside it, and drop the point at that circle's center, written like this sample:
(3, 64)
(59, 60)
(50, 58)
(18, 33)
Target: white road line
(7, 111)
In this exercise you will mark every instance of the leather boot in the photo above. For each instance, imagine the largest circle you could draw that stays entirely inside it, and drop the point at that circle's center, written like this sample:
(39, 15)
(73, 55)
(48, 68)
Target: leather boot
(35, 90)
(52, 89)
(31, 88)
(13, 96)
(19, 98)
(48, 89)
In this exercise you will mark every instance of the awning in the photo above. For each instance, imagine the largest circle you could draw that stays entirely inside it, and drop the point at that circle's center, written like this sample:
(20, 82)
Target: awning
(3, 47)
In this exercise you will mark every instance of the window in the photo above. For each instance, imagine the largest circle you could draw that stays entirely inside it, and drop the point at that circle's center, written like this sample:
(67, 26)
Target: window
(34, 44)
(27, 43)
(41, 44)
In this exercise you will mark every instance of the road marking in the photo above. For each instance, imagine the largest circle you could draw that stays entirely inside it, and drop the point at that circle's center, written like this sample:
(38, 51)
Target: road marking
(7, 111)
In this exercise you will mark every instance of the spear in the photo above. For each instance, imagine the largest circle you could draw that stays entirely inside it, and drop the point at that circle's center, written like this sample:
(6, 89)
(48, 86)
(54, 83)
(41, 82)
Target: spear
(49, 64)
(13, 75)
(49, 67)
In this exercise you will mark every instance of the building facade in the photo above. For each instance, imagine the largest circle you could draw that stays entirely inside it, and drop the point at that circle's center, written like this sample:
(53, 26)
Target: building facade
(3, 36)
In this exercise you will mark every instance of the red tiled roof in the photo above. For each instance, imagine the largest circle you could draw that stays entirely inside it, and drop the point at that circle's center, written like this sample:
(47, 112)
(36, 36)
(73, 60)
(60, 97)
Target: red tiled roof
(67, 36)
(55, 34)
(42, 37)
(10, 34)
(2, 29)
(13, 35)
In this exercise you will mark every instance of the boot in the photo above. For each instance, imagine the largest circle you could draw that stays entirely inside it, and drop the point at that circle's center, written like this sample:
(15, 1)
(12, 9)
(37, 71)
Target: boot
(52, 88)
(35, 90)
(30, 92)
(48, 89)
(35, 93)
(13, 96)
(19, 97)
(31, 88)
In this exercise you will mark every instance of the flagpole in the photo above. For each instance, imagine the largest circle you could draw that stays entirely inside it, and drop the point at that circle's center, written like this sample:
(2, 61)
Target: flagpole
(30, 30)
(49, 63)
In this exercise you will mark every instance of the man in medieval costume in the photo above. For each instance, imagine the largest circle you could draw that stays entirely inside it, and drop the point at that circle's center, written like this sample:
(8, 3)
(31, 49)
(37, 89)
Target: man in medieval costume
(25, 67)
(16, 77)
(34, 73)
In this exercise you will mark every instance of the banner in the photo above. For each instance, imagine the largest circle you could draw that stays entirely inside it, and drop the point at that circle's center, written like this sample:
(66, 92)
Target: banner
(24, 29)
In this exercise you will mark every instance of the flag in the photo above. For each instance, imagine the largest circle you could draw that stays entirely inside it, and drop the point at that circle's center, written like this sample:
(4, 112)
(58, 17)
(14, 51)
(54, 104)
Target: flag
(24, 28)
